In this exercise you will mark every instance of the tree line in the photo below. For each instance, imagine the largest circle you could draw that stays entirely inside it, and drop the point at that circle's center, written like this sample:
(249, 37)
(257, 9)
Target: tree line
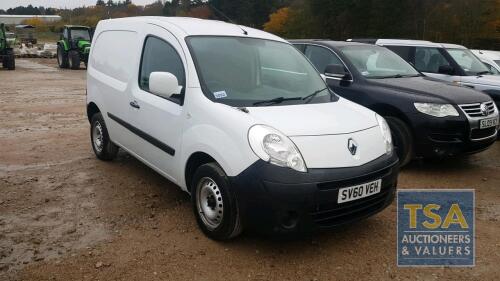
(474, 23)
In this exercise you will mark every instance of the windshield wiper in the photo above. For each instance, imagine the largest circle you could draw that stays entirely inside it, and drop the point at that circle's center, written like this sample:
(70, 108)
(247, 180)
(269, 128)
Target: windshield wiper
(311, 96)
(282, 99)
(483, 72)
(396, 76)
(276, 100)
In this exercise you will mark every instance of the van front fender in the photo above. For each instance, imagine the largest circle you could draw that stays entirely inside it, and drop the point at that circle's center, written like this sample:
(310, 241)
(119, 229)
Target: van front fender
(232, 153)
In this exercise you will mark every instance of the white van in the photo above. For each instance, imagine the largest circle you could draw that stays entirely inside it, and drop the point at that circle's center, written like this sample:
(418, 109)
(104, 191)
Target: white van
(239, 119)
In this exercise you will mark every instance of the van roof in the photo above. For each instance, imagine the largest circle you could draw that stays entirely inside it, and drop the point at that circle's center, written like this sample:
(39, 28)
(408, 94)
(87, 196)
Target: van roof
(452, 46)
(489, 53)
(328, 42)
(406, 42)
(196, 26)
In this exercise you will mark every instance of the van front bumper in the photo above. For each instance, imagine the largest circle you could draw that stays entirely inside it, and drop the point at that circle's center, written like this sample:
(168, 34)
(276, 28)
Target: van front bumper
(282, 200)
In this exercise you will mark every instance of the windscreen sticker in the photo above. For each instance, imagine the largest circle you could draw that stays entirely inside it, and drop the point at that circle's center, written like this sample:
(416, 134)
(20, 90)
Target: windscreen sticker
(220, 94)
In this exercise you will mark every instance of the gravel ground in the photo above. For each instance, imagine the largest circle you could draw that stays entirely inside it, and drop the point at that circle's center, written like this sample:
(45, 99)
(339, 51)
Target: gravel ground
(64, 215)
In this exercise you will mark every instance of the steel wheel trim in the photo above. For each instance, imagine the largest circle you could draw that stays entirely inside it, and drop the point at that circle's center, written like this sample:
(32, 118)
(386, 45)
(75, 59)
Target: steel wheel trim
(209, 203)
(97, 136)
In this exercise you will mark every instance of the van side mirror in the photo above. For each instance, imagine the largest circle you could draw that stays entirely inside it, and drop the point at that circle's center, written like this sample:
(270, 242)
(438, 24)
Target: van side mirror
(337, 71)
(446, 69)
(164, 84)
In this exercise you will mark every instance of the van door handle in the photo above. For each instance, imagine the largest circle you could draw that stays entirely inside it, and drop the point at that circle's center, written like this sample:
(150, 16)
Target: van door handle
(134, 104)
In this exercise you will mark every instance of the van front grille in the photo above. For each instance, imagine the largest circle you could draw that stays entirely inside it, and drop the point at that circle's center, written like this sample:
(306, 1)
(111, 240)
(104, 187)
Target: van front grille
(334, 214)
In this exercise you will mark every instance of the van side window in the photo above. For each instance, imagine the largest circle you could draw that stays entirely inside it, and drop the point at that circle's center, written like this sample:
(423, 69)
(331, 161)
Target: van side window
(158, 55)
(300, 47)
(429, 59)
(321, 57)
(402, 51)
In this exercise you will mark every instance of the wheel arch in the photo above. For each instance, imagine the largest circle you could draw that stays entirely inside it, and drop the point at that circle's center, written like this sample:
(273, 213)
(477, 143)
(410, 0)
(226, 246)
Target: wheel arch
(92, 109)
(194, 161)
(387, 110)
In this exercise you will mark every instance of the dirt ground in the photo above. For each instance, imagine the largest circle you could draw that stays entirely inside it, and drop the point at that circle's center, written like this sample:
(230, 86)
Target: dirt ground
(64, 215)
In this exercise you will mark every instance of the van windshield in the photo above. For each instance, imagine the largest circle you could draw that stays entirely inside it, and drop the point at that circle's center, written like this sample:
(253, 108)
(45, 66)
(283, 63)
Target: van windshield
(468, 61)
(255, 72)
(378, 62)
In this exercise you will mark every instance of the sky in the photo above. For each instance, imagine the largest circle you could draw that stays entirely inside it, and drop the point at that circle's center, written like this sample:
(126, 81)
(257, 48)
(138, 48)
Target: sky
(5, 4)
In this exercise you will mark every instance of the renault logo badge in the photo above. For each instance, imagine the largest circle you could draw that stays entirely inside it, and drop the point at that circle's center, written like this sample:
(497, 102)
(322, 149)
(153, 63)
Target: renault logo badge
(352, 145)
(484, 109)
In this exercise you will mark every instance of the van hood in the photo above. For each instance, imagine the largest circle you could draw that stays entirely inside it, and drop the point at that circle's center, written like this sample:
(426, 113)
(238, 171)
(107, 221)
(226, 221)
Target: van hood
(340, 117)
(485, 80)
(432, 88)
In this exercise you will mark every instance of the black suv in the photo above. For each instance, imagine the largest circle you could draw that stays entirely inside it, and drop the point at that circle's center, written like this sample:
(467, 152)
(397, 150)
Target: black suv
(428, 118)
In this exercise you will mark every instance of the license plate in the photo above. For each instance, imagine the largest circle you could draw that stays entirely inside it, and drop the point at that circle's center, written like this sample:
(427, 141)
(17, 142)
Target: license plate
(487, 123)
(351, 193)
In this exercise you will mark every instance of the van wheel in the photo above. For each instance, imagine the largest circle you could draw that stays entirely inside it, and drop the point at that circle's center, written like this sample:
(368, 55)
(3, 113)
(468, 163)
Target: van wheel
(62, 57)
(74, 59)
(103, 148)
(402, 139)
(214, 204)
(9, 61)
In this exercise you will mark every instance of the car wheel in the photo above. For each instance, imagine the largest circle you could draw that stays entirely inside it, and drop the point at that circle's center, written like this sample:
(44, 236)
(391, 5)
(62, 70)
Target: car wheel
(74, 59)
(402, 139)
(214, 203)
(62, 57)
(103, 148)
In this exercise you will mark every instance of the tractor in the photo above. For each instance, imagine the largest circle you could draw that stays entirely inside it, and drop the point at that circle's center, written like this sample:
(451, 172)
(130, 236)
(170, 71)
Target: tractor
(74, 46)
(6, 51)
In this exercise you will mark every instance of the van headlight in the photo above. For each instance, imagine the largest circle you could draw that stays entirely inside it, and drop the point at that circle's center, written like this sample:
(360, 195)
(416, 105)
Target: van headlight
(436, 109)
(274, 147)
(386, 133)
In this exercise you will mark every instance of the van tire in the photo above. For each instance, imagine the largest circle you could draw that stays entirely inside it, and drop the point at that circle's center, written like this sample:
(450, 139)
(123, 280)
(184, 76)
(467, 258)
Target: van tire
(229, 225)
(62, 57)
(9, 61)
(74, 59)
(402, 139)
(104, 149)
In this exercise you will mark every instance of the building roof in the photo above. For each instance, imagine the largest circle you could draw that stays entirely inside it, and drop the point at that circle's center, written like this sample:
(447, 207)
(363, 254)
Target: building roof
(24, 26)
(30, 16)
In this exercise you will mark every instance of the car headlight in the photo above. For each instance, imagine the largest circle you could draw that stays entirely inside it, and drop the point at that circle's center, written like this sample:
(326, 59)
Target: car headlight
(274, 147)
(386, 133)
(436, 109)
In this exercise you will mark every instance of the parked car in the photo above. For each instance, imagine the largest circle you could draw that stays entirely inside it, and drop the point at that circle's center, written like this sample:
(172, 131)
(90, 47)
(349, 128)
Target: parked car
(427, 118)
(490, 58)
(239, 119)
(447, 62)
